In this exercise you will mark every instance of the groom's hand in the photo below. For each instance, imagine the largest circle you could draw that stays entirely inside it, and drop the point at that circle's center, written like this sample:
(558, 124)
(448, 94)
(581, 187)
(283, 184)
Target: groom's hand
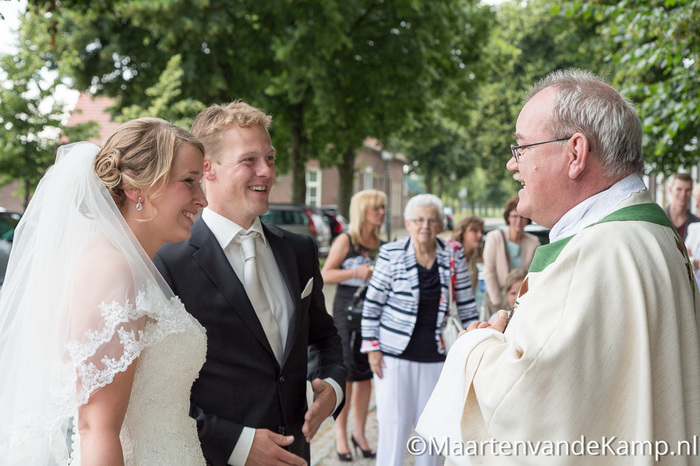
(324, 404)
(267, 450)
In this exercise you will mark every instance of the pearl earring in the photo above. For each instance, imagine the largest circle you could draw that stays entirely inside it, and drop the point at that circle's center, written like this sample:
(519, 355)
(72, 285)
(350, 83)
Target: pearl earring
(139, 206)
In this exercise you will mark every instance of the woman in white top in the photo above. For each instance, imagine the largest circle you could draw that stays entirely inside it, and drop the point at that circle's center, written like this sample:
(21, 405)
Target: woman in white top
(96, 354)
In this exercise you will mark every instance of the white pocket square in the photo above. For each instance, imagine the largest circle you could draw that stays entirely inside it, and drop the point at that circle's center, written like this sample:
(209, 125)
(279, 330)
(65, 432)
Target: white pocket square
(307, 289)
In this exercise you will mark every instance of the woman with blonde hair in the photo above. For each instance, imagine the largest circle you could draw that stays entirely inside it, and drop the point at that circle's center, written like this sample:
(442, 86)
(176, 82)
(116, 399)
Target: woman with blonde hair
(96, 353)
(349, 264)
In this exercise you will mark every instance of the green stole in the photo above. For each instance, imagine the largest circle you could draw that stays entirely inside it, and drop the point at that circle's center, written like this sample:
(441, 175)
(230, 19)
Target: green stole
(648, 212)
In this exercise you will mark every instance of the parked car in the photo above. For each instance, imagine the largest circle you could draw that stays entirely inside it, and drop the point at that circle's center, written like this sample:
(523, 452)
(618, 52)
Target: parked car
(449, 218)
(301, 218)
(336, 221)
(8, 223)
(541, 232)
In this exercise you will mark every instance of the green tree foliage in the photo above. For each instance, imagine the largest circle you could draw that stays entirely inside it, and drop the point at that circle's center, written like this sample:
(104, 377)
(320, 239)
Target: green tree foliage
(654, 53)
(164, 99)
(531, 39)
(330, 72)
(30, 115)
(437, 149)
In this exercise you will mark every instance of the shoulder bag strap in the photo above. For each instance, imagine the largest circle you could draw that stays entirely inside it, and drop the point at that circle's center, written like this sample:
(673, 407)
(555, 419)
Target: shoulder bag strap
(359, 293)
(451, 284)
(505, 248)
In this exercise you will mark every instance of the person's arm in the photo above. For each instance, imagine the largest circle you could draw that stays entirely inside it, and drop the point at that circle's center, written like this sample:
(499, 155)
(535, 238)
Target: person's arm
(103, 275)
(376, 362)
(100, 421)
(491, 248)
(332, 271)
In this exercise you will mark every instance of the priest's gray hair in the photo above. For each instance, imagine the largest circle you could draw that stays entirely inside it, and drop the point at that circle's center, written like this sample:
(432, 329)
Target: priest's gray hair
(586, 104)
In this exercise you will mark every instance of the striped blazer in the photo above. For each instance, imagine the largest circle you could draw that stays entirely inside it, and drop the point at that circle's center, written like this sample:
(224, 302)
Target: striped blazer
(391, 304)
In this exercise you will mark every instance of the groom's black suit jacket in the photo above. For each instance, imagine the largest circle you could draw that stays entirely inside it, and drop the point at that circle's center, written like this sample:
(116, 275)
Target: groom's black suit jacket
(241, 383)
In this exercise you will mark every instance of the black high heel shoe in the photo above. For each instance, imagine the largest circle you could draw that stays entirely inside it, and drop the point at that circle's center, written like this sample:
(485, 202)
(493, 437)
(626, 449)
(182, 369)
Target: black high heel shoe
(365, 453)
(343, 457)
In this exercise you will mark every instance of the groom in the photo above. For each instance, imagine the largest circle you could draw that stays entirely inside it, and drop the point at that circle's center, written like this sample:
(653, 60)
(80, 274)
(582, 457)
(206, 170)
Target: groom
(265, 336)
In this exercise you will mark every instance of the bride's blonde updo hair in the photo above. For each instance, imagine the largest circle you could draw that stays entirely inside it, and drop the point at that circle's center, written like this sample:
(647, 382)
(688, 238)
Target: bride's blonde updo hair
(138, 155)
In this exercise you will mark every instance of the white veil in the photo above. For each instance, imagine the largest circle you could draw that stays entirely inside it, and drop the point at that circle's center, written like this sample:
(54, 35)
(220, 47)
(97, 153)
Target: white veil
(80, 302)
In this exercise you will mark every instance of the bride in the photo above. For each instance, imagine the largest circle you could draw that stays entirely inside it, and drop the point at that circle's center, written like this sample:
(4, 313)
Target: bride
(97, 356)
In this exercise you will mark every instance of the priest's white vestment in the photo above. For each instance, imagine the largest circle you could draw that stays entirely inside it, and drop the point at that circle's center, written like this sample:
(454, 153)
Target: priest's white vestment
(603, 344)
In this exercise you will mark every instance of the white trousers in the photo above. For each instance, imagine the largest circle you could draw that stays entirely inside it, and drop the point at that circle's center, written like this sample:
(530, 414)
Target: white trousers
(401, 396)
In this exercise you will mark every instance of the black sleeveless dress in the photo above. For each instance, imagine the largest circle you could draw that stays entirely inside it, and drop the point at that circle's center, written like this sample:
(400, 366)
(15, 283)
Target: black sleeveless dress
(356, 362)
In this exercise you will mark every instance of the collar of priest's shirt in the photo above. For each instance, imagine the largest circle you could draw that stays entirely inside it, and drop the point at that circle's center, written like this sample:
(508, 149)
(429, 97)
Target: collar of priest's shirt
(595, 207)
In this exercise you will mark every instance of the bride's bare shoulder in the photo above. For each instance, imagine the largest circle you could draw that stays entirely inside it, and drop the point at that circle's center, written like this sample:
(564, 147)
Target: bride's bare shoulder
(101, 260)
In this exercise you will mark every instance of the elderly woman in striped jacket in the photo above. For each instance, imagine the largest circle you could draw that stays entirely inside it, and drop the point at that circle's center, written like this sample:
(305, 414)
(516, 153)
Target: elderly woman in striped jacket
(405, 306)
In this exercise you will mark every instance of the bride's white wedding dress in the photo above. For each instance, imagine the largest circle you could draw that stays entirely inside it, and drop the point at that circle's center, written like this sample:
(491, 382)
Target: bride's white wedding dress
(157, 428)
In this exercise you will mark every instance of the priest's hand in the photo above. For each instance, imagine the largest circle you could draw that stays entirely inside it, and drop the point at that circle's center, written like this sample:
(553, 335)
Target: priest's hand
(498, 323)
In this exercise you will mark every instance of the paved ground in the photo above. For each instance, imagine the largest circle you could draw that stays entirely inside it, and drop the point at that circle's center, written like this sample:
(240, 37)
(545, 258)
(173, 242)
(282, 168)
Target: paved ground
(323, 445)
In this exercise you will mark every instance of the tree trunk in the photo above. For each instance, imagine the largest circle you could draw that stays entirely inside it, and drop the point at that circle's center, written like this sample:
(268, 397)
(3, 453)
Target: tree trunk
(298, 153)
(346, 172)
(429, 180)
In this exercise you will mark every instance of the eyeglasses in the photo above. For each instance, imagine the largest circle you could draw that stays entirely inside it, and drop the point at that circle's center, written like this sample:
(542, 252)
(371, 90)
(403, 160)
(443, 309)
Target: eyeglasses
(516, 150)
(430, 221)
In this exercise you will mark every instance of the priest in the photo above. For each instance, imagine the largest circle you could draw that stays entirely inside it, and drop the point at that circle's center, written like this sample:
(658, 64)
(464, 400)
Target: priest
(599, 363)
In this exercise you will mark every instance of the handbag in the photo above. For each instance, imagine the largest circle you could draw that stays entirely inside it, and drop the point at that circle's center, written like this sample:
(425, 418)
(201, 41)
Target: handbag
(452, 325)
(354, 309)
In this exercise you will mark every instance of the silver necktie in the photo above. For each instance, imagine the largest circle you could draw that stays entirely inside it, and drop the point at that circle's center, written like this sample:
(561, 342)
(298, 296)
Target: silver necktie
(256, 294)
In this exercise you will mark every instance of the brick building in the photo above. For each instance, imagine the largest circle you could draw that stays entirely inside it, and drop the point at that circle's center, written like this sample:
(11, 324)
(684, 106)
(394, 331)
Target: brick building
(370, 173)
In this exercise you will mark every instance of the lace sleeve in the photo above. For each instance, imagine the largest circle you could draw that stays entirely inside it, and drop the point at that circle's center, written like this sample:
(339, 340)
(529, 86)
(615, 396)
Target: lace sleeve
(105, 322)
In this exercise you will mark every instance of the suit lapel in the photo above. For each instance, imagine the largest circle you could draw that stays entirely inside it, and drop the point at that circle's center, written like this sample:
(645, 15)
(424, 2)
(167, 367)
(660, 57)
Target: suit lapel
(284, 254)
(213, 261)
